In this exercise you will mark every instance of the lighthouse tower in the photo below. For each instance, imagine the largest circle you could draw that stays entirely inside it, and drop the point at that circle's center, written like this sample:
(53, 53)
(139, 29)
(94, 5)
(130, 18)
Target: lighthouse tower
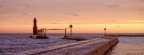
(35, 31)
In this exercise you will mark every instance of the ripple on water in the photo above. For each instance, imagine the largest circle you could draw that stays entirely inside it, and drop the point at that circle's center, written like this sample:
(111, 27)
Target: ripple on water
(129, 46)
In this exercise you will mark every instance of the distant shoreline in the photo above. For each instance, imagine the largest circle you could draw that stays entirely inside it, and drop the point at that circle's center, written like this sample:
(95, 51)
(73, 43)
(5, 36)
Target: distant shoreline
(76, 33)
(126, 35)
(108, 34)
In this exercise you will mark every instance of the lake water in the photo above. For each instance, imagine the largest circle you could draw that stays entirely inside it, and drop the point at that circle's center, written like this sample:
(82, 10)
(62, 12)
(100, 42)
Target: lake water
(129, 46)
(13, 43)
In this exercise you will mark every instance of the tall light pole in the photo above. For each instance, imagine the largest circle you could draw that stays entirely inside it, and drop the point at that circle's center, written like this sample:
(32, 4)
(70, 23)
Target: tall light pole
(45, 31)
(65, 33)
(105, 31)
(71, 29)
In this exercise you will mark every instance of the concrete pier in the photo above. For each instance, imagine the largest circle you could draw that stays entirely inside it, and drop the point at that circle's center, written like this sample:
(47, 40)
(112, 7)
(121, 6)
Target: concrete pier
(97, 46)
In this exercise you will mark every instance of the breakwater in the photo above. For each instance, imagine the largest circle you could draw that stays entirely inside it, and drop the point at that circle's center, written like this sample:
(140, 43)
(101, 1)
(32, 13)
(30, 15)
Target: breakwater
(97, 46)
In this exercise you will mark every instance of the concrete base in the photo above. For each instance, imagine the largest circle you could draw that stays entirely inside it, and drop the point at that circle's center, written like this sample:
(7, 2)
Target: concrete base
(39, 37)
(104, 49)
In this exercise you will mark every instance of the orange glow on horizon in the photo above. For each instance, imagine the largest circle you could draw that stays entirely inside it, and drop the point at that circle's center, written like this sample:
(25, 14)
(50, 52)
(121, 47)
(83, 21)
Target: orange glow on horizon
(77, 28)
(87, 16)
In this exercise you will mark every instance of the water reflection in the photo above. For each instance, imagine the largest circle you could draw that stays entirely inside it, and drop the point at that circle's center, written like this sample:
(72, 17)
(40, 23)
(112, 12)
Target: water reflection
(129, 46)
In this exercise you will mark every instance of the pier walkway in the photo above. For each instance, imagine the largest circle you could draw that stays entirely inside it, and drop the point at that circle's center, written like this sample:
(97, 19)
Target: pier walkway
(97, 46)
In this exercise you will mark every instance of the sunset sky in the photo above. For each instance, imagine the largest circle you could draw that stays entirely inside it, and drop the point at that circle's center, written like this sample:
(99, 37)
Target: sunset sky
(87, 16)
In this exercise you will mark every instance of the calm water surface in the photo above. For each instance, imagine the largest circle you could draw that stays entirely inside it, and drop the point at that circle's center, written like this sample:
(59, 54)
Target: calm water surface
(126, 45)
(129, 46)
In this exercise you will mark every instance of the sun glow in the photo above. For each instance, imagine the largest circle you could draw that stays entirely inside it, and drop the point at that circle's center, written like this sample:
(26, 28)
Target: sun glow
(137, 21)
(77, 28)
(87, 16)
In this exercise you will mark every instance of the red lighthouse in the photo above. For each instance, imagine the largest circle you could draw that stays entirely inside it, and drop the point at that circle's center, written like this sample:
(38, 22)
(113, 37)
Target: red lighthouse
(35, 31)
